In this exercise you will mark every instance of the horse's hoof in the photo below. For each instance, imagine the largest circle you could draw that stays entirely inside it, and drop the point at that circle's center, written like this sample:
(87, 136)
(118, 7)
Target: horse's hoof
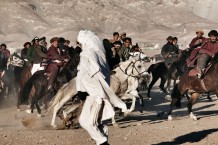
(116, 125)
(141, 110)
(28, 111)
(170, 118)
(168, 97)
(54, 126)
(39, 115)
(192, 116)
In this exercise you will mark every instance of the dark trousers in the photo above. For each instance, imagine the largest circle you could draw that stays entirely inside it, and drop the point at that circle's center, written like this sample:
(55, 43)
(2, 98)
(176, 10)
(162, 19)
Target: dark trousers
(202, 61)
(52, 70)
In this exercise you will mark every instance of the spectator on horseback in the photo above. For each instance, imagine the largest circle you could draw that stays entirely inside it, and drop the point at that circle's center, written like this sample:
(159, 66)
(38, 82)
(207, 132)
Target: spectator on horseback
(115, 37)
(207, 52)
(5, 54)
(198, 41)
(175, 42)
(169, 52)
(122, 37)
(112, 52)
(5, 51)
(125, 49)
(43, 44)
(24, 51)
(56, 58)
(35, 55)
(67, 43)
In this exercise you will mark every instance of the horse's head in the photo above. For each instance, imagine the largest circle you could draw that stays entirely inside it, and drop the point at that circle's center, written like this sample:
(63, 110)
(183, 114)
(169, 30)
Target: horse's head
(136, 67)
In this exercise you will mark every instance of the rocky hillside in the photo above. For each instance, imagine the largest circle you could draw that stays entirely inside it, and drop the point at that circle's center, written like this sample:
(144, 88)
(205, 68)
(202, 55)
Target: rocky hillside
(147, 22)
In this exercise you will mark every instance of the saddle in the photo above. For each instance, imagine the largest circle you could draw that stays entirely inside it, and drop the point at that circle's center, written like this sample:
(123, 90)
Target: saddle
(193, 71)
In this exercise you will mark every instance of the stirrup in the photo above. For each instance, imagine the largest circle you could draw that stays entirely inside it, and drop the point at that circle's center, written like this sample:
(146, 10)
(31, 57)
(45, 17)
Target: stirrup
(198, 75)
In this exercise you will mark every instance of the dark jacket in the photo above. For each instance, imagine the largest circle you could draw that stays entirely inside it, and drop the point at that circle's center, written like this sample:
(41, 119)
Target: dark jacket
(55, 53)
(124, 53)
(169, 49)
(24, 53)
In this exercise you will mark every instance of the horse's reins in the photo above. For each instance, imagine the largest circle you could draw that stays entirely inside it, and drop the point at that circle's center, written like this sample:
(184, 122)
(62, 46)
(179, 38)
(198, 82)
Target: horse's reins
(125, 71)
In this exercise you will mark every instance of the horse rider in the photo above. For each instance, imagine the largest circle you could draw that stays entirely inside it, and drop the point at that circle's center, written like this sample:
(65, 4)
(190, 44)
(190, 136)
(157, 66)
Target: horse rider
(207, 52)
(125, 49)
(169, 52)
(56, 58)
(24, 51)
(198, 41)
(93, 77)
(35, 56)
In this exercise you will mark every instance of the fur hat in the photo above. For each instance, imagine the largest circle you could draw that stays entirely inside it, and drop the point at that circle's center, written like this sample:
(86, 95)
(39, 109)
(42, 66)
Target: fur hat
(42, 39)
(169, 38)
(123, 33)
(54, 39)
(25, 44)
(200, 31)
(34, 39)
(213, 33)
(3, 45)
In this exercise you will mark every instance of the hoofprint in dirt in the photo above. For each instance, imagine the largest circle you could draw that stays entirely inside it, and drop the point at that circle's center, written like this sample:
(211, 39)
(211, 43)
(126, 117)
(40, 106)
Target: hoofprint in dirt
(138, 129)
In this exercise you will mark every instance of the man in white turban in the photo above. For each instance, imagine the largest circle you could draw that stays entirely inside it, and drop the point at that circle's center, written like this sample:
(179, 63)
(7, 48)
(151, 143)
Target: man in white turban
(93, 77)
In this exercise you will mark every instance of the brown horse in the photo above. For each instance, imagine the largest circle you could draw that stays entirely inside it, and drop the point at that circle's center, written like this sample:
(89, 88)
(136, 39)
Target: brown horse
(25, 75)
(195, 87)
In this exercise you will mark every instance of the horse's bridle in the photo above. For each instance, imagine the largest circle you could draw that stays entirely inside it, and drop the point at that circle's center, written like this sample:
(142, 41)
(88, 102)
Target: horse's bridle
(134, 67)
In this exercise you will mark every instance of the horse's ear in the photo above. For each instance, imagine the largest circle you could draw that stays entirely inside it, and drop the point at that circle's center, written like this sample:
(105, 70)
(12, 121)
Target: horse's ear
(112, 72)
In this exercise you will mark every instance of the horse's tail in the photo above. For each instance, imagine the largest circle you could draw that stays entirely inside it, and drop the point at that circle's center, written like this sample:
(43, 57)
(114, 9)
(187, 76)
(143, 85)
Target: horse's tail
(177, 96)
(151, 68)
(27, 89)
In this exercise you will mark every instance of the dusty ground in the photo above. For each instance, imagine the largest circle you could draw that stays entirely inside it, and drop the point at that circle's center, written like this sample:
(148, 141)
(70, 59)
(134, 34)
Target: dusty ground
(137, 129)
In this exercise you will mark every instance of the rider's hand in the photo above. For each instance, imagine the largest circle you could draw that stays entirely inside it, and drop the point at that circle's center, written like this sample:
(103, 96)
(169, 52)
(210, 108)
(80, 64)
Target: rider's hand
(66, 60)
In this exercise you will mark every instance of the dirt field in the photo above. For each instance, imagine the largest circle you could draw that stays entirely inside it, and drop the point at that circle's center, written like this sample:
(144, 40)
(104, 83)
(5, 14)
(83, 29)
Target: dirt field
(20, 128)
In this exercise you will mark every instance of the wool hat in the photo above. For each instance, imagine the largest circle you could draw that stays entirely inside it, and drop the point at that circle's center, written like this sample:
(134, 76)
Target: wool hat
(26, 43)
(213, 33)
(169, 38)
(200, 31)
(54, 39)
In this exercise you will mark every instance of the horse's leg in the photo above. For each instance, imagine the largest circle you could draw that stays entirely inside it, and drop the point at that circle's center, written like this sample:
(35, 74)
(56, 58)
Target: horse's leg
(31, 106)
(162, 83)
(193, 99)
(141, 102)
(133, 98)
(18, 100)
(168, 84)
(172, 104)
(154, 80)
(208, 96)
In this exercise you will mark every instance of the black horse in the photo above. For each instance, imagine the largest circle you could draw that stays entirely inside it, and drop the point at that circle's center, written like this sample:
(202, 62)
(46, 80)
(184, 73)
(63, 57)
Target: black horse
(160, 70)
(39, 81)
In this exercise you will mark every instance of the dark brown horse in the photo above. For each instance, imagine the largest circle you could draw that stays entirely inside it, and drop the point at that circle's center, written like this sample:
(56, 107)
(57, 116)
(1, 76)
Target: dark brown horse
(195, 87)
(25, 75)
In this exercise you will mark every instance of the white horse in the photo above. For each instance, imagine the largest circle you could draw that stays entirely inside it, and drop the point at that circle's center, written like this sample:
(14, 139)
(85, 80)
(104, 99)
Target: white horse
(124, 83)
